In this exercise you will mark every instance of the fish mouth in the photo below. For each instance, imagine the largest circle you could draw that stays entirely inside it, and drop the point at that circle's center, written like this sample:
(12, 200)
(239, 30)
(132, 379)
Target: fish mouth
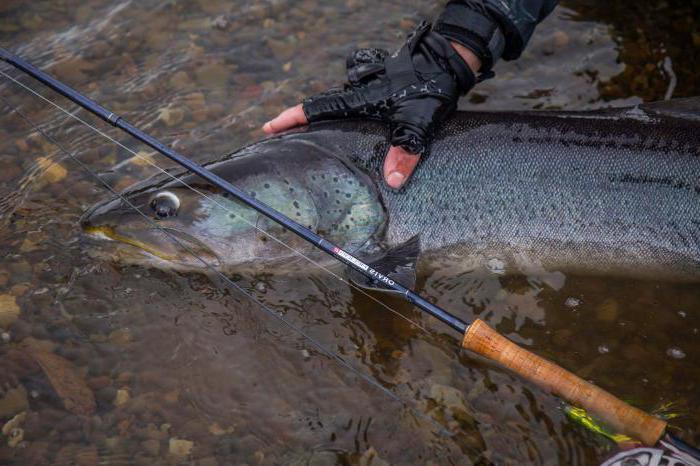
(182, 245)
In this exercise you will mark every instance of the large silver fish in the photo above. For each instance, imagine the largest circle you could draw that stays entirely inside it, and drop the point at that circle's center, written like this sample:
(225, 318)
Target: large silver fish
(604, 192)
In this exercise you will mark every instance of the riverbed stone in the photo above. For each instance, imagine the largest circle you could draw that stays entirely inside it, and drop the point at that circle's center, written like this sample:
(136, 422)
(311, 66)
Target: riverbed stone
(53, 172)
(9, 310)
(608, 311)
(13, 402)
(122, 397)
(152, 447)
(180, 448)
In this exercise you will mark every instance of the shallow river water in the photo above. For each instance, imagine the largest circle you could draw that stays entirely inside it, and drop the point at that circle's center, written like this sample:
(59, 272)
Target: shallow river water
(110, 364)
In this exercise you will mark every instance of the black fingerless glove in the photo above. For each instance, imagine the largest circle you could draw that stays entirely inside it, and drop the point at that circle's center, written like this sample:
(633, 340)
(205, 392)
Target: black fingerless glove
(413, 90)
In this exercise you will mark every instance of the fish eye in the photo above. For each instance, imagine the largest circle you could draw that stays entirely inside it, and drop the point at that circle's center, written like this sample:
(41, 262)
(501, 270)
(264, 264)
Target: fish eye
(165, 204)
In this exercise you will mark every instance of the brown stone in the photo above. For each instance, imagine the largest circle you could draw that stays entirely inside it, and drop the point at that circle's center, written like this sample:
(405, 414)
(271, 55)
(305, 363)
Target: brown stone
(68, 383)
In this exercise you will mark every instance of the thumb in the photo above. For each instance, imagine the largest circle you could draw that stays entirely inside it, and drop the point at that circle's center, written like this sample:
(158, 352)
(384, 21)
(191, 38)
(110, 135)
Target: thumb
(399, 164)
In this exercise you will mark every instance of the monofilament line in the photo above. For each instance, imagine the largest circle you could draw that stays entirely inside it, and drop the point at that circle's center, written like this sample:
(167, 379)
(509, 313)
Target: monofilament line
(215, 201)
(278, 316)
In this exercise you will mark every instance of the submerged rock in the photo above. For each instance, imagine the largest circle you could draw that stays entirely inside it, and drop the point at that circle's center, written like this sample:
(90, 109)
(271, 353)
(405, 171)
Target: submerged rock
(13, 431)
(122, 397)
(67, 382)
(14, 401)
(675, 352)
(53, 172)
(9, 310)
(180, 448)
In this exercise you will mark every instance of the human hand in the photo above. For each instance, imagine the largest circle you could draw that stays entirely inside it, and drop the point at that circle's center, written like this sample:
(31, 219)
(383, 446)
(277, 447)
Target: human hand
(413, 90)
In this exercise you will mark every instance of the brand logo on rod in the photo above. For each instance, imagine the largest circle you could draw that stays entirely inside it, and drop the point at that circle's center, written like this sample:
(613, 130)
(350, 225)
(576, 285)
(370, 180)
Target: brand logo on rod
(376, 275)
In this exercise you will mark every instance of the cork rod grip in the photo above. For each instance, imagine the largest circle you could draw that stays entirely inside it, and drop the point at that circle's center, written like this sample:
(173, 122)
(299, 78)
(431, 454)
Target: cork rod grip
(625, 419)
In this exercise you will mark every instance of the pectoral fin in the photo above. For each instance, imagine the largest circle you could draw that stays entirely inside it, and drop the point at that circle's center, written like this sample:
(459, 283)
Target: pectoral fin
(397, 263)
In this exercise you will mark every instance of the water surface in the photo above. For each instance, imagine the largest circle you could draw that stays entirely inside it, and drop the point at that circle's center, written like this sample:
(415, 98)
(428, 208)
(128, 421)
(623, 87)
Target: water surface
(183, 369)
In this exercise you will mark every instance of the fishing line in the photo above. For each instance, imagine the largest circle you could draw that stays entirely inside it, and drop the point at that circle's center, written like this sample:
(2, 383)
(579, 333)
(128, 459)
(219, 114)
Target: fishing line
(269, 235)
(328, 352)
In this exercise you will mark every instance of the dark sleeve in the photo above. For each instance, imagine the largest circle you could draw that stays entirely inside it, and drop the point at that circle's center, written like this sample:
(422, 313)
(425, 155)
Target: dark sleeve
(518, 19)
(493, 29)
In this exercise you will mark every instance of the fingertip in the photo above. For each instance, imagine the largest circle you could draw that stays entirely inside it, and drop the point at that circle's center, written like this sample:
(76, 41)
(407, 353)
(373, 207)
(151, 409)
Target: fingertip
(399, 164)
(289, 118)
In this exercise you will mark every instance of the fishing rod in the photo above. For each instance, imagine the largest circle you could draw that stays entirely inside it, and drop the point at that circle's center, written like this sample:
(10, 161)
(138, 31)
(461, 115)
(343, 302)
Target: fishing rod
(477, 336)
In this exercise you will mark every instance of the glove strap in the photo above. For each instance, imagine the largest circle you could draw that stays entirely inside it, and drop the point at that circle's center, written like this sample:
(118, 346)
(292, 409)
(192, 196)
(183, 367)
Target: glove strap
(474, 29)
(460, 70)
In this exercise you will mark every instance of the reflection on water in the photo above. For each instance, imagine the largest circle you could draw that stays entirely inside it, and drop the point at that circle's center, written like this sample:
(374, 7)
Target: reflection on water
(157, 368)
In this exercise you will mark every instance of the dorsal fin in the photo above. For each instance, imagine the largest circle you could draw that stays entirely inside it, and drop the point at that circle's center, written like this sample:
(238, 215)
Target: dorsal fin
(397, 263)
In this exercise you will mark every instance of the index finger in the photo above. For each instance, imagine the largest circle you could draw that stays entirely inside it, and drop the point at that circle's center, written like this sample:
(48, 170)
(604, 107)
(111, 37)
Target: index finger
(293, 116)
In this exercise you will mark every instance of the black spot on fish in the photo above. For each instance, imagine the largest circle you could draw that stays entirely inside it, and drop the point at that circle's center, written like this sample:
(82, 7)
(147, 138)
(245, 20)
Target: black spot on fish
(337, 191)
(252, 193)
(337, 201)
(291, 190)
(298, 214)
(267, 185)
(335, 179)
(347, 195)
(296, 204)
(286, 181)
(231, 215)
(325, 193)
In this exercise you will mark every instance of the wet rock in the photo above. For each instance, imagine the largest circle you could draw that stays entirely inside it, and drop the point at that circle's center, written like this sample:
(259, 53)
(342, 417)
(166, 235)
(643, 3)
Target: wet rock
(53, 172)
(87, 456)
(106, 395)
(572, 303)
(180, 448)
(66, 382)
(212, 76)
(152, 447)
(371, 458)
(180, 80)
(220, 22)
(9, 310)
(98, 383)
(208, 461)
(675, 352)
(13, 431)
(216, 429)
(112, 443)
(38, 345)
(13, 402)
(449, 397)
(154, 433)
(562, 336)
(120, 337)
(607, 311)
(172, 396)
(122, 397)
(170, 115)
(36, 453)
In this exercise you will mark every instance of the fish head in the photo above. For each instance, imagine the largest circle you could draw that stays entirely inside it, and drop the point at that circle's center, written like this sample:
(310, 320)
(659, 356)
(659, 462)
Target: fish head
(184, 222)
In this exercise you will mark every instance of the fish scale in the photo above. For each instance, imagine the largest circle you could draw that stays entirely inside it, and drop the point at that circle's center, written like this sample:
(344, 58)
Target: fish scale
(609, 192)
